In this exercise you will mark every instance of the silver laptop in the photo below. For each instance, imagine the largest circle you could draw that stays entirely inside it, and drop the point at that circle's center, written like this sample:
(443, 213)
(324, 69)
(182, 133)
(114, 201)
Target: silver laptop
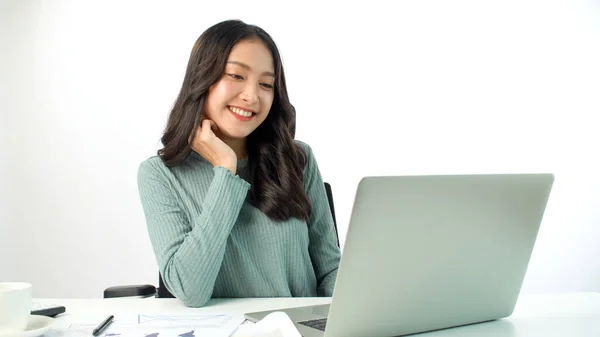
(424, 253)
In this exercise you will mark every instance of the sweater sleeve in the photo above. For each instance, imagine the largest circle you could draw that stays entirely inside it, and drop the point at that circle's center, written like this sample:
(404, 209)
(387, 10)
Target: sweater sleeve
(323, 248)
(190, 250)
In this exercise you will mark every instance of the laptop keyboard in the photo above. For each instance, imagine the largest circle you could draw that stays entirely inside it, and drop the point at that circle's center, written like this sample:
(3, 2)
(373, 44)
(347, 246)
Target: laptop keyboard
(318, 324)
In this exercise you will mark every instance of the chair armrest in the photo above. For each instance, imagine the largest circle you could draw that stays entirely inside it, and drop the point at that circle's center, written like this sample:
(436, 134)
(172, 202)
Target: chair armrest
(132, 290)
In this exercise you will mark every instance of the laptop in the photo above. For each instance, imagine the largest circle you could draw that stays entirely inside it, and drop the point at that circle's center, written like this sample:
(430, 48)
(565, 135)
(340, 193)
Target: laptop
(424, 253)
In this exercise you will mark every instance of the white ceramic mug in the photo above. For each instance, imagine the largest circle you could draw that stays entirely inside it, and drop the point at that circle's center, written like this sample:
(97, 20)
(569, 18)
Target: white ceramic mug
(15, 306)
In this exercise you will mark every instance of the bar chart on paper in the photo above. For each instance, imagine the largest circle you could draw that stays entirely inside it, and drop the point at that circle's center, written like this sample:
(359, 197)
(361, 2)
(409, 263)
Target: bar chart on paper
(206, 321)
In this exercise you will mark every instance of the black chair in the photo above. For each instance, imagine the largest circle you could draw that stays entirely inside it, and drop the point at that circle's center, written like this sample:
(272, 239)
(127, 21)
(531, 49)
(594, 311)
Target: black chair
(163, 292)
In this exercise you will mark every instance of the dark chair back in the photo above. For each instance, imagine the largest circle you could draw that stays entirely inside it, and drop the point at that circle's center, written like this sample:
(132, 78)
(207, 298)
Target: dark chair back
(163, 292)
(330, 200)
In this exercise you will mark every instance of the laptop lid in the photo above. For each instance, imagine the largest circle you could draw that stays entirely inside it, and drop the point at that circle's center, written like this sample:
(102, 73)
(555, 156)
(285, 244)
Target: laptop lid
(430, 252)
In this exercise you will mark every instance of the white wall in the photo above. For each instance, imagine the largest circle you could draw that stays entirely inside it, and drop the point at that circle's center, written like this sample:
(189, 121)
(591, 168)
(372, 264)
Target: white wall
(410, 87)
(7, 226)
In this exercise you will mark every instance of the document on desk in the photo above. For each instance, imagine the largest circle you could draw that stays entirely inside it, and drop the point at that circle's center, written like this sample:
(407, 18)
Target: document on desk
(160, 325)
(275, 324)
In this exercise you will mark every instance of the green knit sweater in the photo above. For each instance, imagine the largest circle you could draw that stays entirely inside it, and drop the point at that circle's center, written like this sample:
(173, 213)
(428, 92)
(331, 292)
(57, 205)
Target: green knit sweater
(210, 242)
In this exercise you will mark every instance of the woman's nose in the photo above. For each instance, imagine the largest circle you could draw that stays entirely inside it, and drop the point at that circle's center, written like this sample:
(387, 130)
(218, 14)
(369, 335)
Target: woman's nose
(250, 94)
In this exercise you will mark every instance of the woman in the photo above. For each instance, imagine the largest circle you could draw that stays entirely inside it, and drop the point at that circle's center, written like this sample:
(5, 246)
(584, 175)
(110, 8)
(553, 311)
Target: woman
(234, 206)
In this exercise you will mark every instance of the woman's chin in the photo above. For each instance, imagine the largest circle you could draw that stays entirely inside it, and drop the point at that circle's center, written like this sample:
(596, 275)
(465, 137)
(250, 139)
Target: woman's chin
(235, 134)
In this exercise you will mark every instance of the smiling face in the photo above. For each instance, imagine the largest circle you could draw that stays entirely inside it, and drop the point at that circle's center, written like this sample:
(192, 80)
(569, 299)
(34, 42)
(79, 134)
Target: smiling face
(240, 101)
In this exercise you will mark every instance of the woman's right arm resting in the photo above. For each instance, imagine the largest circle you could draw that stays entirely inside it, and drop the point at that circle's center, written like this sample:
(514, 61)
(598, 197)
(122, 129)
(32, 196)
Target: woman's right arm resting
(190, 250)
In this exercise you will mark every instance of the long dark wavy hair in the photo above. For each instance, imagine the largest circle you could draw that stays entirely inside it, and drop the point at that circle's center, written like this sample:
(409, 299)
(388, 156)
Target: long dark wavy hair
(276, 162)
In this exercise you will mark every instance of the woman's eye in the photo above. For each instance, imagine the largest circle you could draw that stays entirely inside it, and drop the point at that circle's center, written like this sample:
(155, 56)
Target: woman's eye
(267, 85)
(236, 76)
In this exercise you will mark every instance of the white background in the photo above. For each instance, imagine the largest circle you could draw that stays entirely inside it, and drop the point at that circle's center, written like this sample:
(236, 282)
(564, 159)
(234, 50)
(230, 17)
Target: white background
(398, 87)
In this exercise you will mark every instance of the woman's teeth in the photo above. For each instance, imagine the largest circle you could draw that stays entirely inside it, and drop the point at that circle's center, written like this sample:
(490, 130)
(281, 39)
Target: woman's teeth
(241, 112)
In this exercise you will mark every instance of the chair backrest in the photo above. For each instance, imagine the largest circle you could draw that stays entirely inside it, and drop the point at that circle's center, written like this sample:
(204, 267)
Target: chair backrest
(163, 292)
(330, 200)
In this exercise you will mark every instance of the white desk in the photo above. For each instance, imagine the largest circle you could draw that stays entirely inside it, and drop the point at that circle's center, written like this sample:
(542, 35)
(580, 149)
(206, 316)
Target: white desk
(561, 315)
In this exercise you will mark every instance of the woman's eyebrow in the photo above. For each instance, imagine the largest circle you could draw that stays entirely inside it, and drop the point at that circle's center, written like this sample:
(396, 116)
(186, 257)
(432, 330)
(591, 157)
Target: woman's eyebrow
(247, 67)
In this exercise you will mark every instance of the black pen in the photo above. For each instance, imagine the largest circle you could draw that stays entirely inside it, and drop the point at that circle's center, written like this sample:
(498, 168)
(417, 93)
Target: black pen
(103, 325)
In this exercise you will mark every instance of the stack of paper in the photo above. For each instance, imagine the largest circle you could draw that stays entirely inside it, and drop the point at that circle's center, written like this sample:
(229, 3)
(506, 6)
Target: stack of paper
(276, 324)
(156, 325)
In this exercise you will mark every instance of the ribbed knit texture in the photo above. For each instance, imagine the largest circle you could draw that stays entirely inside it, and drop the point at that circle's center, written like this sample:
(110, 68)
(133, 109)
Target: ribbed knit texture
(210, 242)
